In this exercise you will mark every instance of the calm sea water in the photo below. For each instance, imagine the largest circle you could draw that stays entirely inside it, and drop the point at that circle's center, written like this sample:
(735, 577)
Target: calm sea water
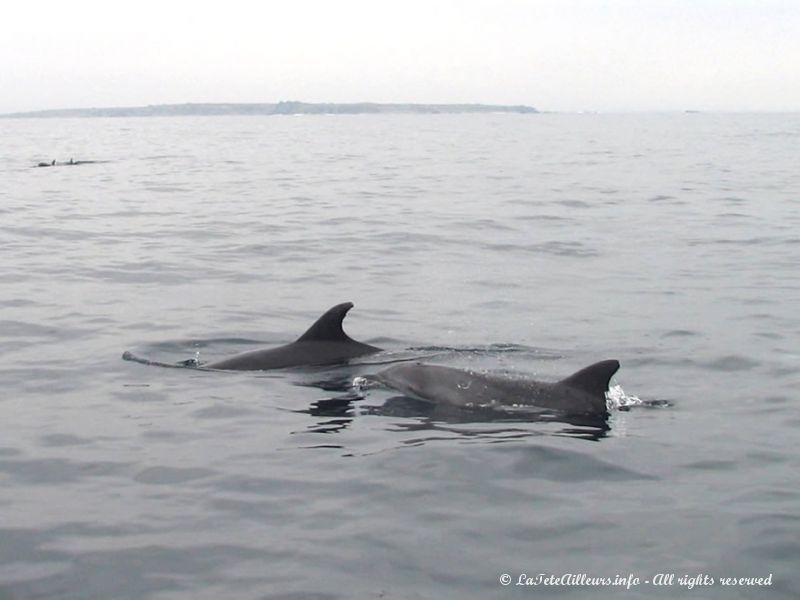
(532, 244)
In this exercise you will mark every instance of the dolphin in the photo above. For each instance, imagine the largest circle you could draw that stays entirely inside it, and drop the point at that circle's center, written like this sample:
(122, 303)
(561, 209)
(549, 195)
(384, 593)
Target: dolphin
(83, 162)
(324, 343)
(72, 162)
(582, 393)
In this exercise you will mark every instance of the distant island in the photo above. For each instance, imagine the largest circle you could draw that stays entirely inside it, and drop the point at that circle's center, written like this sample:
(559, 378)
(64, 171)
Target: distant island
(278, 108)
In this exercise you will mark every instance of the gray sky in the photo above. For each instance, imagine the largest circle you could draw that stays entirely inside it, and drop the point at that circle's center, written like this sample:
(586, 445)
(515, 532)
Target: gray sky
(553, 54)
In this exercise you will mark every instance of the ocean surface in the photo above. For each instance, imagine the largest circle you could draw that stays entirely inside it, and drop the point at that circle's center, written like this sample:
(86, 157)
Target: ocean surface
(521, 244)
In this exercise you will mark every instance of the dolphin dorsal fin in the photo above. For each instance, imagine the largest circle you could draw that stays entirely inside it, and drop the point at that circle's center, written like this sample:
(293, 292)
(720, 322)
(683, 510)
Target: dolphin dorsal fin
(329, 326)
(594, 379)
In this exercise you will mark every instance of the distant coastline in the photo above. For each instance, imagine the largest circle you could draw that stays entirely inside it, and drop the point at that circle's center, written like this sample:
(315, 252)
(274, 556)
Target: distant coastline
(277, 108)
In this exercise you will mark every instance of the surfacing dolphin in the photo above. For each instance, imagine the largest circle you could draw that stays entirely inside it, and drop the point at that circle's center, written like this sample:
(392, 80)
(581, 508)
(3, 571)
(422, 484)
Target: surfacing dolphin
(582, 393)
(70, 163)
(324, 343)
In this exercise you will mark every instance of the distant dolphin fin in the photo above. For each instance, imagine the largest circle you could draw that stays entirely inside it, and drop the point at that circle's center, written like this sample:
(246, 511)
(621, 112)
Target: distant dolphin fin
(329, 326)
(594, 379)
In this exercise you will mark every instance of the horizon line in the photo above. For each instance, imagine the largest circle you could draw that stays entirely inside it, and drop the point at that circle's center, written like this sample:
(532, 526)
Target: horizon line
(285, 106)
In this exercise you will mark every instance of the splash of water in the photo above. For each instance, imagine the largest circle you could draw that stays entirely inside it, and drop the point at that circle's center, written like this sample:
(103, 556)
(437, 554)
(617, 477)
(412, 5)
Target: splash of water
(617, 399)
(359, 384)
(191, 362)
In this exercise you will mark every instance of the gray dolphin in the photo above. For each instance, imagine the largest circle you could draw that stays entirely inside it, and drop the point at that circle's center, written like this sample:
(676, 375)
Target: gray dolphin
(582, 393)
(324, 343)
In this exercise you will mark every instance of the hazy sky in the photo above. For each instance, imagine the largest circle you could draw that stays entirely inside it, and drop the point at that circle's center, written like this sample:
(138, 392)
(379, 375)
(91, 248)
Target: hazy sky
(552, 54)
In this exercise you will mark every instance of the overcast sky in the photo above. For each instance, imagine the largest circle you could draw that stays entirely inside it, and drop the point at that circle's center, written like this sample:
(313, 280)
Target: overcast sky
(567, 55)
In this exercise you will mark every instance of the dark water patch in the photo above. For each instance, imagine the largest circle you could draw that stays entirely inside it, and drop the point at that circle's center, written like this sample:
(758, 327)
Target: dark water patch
(771, 537)
(777, 400)
(734, 215)
(769, 335)
(166, 435)
(573, 203)
(262, 508)
(137, 326)
(751, 301)
(64, 439)
(752, 241)
(144, 572)
(50, 234)
(769, 497)
(784, 372)
(494, 304)
(778, 550)
(491, 283)
(151, 273)
(553, 464)
(257, 249)
(545, 218)
(15, 572)
(673, 362)
(562, 530)
(260, 487)
(554, 248)
(137, 212)
(733, 200)
(23, 329)
(205, 232)
(317, 596)
(772, 522)
(44, 379)
(168, 189)
(141, 394)
(222, 411)
(49, 471)
(732, 363)
(169, 475)
(17, 302)
(335, 221)
(483, 225)
(98, 320)
(27, 547)
(401, 241)
(680, 333)
(711, 465)
(765, 457)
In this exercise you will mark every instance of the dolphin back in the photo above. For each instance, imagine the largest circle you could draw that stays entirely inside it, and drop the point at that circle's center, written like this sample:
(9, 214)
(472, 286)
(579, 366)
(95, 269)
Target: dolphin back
(324, 343)
(581, 393)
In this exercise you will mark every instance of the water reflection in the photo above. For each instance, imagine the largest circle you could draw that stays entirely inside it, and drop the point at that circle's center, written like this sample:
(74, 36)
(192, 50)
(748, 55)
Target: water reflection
(409, 414)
